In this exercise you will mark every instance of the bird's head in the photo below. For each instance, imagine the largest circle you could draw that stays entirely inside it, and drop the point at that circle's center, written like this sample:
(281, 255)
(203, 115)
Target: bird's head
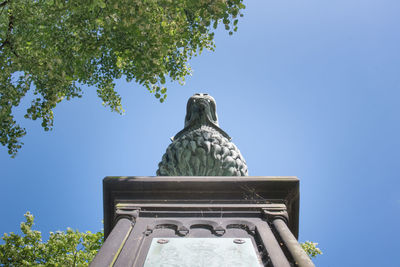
(201, 109)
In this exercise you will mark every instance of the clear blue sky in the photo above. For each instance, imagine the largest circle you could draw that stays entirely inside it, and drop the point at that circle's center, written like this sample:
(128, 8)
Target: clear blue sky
(305, 88)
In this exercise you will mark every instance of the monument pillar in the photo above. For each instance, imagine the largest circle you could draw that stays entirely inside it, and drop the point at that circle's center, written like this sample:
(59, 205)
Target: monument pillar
(202, 209)
(155, 220)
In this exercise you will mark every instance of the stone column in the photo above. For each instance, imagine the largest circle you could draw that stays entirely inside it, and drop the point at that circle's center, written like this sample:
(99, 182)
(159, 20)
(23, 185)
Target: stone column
(114, 243)
(275, 252)
(299, 255)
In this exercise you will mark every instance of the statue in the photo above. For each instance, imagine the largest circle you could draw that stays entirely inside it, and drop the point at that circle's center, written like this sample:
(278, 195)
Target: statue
(202, 148)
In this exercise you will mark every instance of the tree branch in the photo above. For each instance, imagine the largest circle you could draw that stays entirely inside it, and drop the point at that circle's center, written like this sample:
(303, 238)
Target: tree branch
(75, 254)
(10, 28)
(4, 43)
(4, 3)
(10, 23)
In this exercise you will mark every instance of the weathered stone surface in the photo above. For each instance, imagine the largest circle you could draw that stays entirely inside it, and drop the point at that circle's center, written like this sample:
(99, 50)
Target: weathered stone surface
(138, 210)
(202, 148)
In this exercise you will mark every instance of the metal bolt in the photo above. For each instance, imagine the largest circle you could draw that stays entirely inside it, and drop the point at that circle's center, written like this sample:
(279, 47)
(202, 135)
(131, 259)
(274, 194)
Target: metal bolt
(238, 241)
(162, 241)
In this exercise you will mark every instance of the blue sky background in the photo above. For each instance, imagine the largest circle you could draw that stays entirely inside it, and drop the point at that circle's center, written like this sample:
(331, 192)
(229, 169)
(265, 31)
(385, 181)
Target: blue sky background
(305, 88)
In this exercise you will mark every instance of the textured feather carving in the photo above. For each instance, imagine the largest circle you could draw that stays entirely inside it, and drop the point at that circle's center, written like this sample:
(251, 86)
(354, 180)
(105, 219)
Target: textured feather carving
(202, 148)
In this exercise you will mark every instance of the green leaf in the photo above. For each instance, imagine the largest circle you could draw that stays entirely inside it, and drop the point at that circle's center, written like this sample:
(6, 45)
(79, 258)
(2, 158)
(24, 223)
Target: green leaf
(162, 79)
(215, 25)
(102, 4)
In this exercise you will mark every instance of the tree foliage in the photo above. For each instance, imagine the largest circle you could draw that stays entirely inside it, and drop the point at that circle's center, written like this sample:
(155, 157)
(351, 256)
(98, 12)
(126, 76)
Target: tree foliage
(311, 249)
(70, 248)
(55, 46)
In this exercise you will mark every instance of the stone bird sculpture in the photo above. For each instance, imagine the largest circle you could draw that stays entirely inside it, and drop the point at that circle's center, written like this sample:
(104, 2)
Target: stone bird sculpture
(202, 148)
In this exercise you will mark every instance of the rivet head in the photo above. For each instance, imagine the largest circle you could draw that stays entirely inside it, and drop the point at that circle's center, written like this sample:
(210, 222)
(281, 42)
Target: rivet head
(162, 241)
(238, 241)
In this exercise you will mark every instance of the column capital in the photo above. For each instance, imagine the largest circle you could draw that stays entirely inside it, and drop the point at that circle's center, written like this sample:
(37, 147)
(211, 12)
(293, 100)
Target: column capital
(271, 214)
(130, 214)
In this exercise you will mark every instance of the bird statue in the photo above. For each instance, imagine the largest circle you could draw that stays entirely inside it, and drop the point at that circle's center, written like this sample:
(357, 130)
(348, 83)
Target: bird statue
(202, 148)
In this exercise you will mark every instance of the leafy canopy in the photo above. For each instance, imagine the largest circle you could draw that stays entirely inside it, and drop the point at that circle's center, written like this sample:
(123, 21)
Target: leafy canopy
(70, 248)
(55, 46)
